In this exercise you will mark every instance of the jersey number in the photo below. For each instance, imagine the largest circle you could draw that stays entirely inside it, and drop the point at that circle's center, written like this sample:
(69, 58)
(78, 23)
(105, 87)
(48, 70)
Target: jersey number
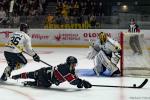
(15, 40)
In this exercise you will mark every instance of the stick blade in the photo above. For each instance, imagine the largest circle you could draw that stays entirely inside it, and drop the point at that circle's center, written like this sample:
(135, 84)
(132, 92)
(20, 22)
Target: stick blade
(143, 84)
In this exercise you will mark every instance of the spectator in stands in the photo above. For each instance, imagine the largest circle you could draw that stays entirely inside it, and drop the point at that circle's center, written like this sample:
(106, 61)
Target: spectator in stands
(50, 19)
(42, 2)
(6, 5)
(92, 21)
(99, 9)
(76, 8)
(32, 11)
(25, 10)
(88, 7)
(65, 9)
(16, 20)
(2, 15)
(40, 9)
(25, 7)
(58, 8)
(71, 6)
(16, 7)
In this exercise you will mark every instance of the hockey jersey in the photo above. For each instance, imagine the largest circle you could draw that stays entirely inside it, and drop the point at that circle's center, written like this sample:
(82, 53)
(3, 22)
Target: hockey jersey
(63, 73)
(134, 28)
(18, 42)
(109, 47)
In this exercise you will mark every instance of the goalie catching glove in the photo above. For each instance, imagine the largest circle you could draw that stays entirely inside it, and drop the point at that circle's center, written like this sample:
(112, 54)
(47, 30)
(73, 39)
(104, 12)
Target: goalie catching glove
(83, 83)
(36, 58)
(92, 53)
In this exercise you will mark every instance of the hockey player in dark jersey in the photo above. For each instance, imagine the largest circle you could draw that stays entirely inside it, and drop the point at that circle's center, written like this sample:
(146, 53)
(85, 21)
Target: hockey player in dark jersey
(45, 77)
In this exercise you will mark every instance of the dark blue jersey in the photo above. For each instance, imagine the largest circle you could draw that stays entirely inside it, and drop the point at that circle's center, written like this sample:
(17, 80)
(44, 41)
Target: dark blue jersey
(63, 73)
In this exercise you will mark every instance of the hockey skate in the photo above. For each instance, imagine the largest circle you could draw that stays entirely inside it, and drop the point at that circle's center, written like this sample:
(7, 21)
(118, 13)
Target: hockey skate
(7, 73)
(116, 73)
(98, 73)
(95, 71)
(15, 77)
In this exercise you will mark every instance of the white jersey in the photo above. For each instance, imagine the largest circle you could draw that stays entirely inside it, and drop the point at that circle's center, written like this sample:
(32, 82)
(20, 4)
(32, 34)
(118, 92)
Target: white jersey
(19, 41)
(108, 47)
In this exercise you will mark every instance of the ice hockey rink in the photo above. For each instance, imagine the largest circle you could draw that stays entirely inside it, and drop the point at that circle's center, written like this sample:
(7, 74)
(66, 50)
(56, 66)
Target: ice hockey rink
(14, 89)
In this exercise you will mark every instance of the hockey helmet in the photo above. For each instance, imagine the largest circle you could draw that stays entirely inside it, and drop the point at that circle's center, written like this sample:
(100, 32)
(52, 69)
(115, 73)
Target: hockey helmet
(24, 27)
(102, 37)
(71, 60)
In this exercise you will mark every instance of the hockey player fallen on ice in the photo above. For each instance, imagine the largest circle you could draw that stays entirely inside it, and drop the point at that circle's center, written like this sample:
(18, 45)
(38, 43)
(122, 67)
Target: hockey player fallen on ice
(47, 76)
(106, 54)
(19, 41)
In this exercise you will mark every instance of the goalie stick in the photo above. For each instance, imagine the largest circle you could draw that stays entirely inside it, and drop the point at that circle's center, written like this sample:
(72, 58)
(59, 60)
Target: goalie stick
(134, 85)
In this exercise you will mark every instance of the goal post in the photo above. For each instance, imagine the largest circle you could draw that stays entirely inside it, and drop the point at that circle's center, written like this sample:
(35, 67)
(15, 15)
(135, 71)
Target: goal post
(135, 58)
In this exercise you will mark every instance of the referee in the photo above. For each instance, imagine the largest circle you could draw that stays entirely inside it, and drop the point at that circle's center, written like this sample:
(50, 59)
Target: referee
(134, 39)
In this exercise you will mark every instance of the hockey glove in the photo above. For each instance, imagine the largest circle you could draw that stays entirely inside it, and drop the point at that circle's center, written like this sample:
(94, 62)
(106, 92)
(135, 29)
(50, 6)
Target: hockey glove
(83, 83)
(36, 58)
(80, 84)
(92, 53)
(86, 84)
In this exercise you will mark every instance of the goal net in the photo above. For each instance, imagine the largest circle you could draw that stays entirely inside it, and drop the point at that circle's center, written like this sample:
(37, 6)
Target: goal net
(135, 58)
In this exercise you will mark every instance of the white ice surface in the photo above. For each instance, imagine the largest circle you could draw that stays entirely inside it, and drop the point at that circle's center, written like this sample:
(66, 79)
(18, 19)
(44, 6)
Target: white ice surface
(65, 91)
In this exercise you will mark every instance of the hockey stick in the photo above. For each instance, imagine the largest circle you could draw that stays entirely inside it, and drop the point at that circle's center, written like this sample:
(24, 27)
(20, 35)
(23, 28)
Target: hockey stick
(40, 59)
(134, 85)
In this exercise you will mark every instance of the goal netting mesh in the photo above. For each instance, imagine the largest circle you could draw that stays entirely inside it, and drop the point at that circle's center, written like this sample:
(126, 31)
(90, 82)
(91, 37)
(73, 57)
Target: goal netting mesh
(135, 57)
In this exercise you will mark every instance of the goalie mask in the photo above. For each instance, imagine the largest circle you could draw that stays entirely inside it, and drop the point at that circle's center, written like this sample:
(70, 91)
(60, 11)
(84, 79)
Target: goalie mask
(102, 37)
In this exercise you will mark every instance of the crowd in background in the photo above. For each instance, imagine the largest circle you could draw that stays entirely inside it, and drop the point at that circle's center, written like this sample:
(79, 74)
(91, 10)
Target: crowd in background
(66, 14)
(66, 11)
(79, 7)
(20, 8)
(77, 12)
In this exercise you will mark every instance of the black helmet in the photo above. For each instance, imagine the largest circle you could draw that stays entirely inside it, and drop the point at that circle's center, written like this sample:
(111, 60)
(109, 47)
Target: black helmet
(23, 26)
(71, 60)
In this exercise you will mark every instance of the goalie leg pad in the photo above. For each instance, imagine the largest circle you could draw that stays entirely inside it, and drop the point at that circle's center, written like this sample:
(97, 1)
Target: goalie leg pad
(106, 62)
(115, 58)
(99, 68)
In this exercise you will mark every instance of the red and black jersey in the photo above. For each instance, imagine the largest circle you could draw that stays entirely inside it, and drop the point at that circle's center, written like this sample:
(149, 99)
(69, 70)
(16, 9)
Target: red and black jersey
(63, 73)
